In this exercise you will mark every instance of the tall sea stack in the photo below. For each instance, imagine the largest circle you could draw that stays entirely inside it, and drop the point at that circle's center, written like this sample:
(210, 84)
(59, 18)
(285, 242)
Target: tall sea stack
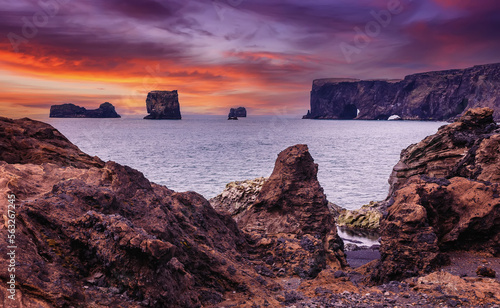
(163, 105)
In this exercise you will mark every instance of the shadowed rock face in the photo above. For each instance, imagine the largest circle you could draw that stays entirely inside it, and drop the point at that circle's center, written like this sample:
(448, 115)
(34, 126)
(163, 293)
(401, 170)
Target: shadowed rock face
(444, 198)
(438, 96)
(163, 105)
(105, 110)
(291, 210)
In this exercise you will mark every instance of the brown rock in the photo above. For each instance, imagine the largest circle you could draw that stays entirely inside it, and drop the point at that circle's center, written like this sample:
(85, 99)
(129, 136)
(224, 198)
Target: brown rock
(462, 148)
(77, 216)
(28, 141)
(444, 202)
(292, 209)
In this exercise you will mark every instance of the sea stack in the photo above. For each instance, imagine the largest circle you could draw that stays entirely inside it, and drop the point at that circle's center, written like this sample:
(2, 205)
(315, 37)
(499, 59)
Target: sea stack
(163, 105)
(236, 113)
(105, 110)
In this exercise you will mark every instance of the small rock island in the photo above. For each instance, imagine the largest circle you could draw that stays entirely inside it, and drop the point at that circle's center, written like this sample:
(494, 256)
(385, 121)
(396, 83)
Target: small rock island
(105, 110)
(163, 105)
(236, 113)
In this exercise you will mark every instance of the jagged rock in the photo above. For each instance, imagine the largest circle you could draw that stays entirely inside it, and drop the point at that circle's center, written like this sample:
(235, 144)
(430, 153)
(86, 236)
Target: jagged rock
(367, 217)
(26, 141)
(485, 272)
(438, 96)
(105, 110)
(100, 234)
(239, 112)
(464, 148)
(237, 197)
(292, 219)
(451, 203)
(163, 105)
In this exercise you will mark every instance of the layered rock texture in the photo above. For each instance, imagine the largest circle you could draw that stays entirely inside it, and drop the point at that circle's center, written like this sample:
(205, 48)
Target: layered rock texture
(438, 96)
(444, 198)
(163, 105)
(291, 210)
(105, 110)
(239, 112)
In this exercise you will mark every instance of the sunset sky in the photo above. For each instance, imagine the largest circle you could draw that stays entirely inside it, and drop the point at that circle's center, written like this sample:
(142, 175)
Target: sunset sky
(226, 53)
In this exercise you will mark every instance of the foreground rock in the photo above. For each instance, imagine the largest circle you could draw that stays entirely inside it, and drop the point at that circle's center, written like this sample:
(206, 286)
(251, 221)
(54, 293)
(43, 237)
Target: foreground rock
(434, 96)
(163, 105)
(239, 112)
(291, 220)
(444, 198)
(105, 110)
(100, 234)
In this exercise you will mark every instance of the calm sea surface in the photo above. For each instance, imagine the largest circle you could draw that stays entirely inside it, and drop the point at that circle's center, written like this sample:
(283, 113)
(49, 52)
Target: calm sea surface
(203, 153)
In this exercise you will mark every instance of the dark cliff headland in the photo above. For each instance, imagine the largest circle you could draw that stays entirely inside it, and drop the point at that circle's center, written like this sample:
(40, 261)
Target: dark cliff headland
(105, 110)
(436, 96)
(98, 234)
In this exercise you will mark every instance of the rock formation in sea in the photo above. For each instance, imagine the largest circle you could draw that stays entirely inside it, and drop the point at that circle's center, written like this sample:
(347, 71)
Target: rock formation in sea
(239, 112)
(367, 217)
(105, 110)
(163, 105)
(437, 96)
(444, 198)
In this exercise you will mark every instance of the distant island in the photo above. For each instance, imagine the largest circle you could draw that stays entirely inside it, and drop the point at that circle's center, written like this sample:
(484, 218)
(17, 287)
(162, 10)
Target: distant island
(435, 96)
(105, 110)
(163, 105)
(235, 113)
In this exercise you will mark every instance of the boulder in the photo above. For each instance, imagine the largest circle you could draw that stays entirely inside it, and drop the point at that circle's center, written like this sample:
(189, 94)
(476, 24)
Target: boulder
(367, 217)
(163, 105)
(290, 219)
(105, 110)
(444, 199)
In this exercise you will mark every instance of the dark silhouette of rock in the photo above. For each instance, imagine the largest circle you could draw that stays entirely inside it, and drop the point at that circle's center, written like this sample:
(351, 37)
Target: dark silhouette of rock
(239, 112)
(105, 110)
(163, 105)
(291, 214)
(444, 198)
(437, 96)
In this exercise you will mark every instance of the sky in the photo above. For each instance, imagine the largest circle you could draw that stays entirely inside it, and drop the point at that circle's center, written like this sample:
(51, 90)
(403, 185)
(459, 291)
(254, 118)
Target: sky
(220, 54)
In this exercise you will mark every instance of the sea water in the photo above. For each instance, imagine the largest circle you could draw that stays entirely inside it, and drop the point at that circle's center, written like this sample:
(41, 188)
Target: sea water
(204, 153)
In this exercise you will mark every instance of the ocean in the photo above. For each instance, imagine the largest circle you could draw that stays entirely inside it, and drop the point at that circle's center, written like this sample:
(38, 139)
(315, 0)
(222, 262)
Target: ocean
(204, 153)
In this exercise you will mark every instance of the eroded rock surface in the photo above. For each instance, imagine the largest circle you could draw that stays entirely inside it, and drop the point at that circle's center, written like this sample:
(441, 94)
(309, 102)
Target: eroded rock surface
(445, 199)
(291, 220)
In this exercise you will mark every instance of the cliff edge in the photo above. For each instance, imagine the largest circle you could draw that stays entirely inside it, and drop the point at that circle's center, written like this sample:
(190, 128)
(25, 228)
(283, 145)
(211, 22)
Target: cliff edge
(437, 96)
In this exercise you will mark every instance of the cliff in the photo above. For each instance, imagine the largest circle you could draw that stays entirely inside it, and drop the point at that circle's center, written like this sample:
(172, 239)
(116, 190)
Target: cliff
(438, 96)
(105, 110)
(239, 112)
(163, 105)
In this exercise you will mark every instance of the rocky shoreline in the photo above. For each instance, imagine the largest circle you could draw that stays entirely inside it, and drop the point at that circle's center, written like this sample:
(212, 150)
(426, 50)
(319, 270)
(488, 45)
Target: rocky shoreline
(99, 234)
